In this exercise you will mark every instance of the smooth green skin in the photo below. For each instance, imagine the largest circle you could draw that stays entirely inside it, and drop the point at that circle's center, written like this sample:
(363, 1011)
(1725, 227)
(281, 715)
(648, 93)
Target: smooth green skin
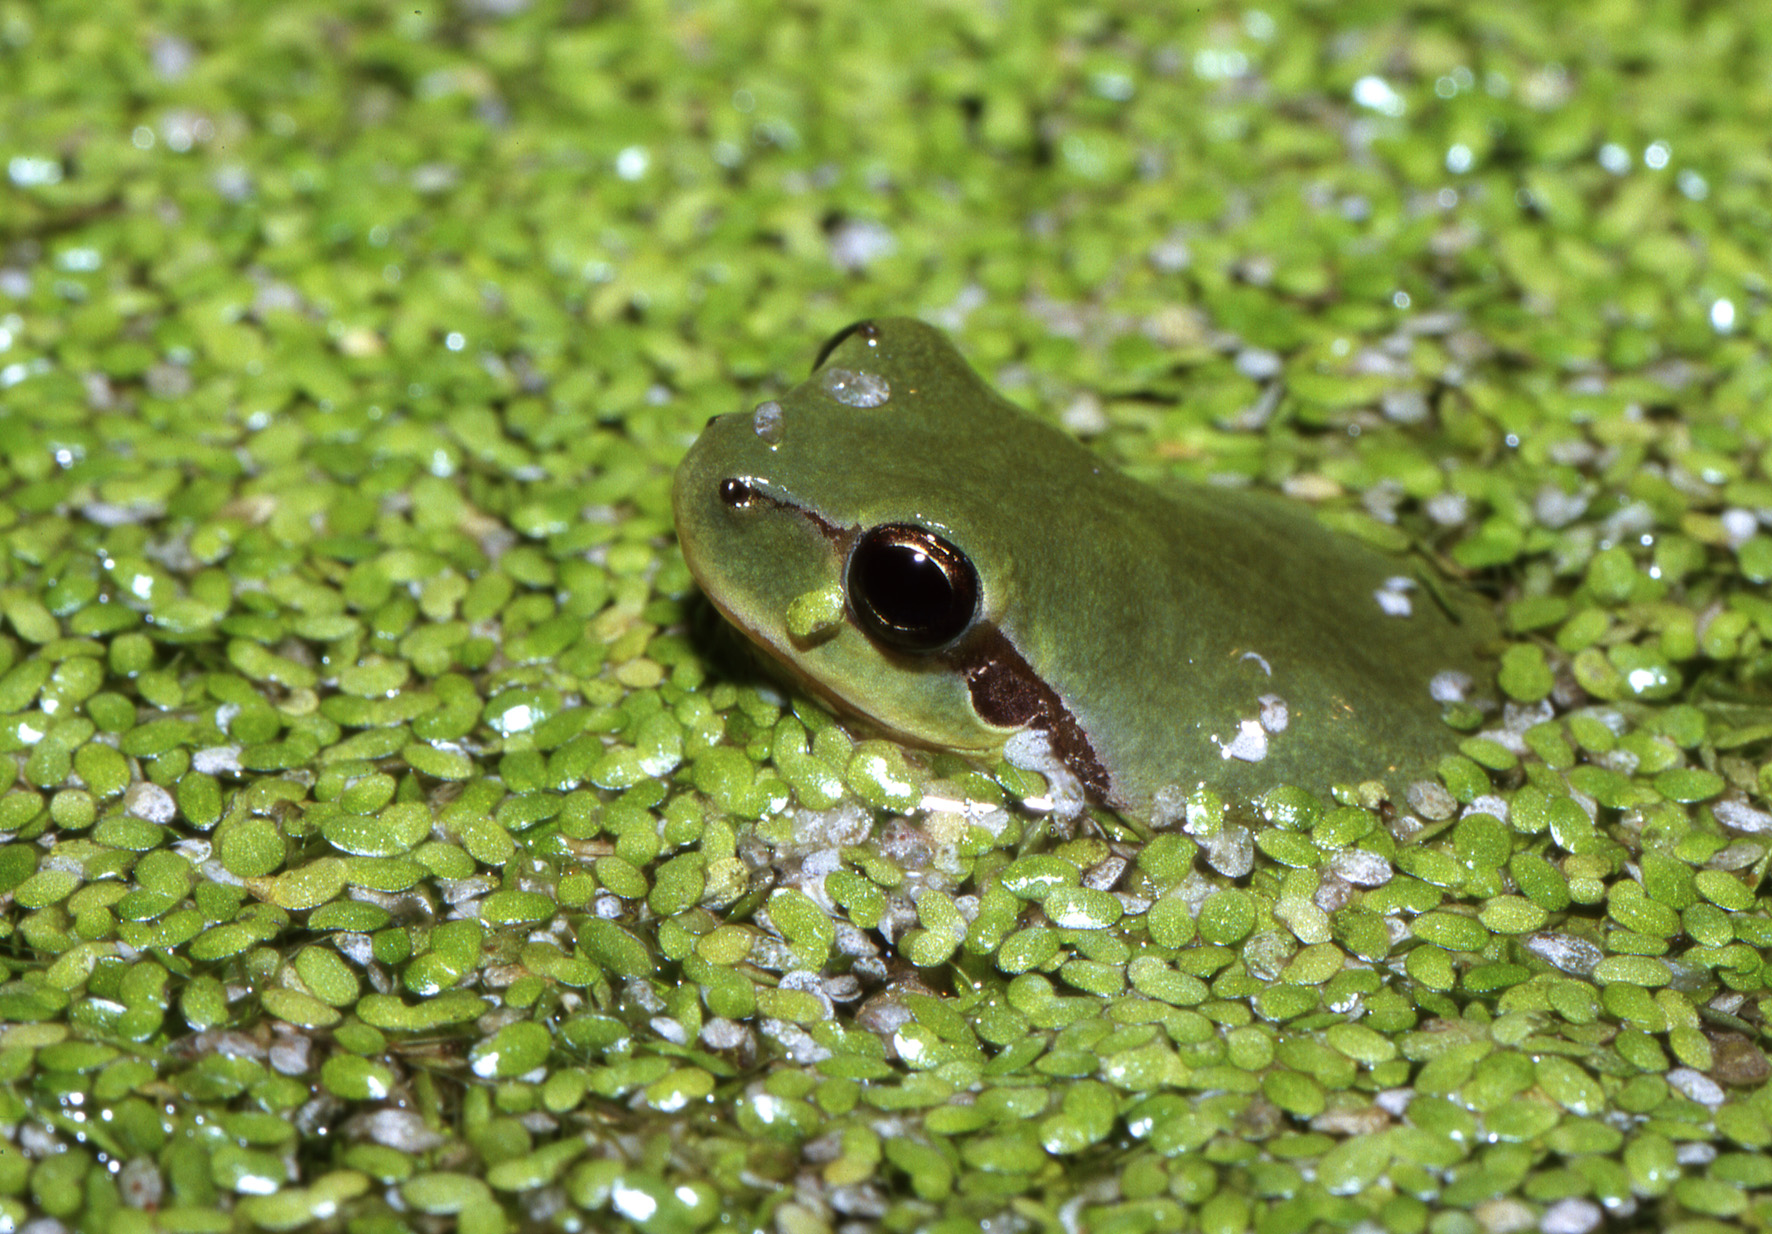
(1137, 607)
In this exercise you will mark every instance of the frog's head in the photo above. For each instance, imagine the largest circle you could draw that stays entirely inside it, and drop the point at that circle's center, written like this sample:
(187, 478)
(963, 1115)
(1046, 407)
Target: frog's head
(859, 530)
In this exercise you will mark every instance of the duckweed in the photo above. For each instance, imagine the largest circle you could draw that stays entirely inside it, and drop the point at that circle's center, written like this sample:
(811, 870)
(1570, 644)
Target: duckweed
(387, 834)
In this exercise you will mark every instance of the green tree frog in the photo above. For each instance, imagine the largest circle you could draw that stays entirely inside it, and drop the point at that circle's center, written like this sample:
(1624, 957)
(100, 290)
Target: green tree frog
(922, 554)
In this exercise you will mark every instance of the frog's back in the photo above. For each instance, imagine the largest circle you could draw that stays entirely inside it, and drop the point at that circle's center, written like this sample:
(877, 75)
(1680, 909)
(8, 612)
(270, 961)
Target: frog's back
(1260, 647)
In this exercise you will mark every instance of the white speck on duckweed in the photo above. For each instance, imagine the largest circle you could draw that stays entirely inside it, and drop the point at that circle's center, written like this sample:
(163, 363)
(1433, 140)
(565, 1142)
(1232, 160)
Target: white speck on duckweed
(858, 243)
(1697, 1086)
(1393, 598)
(1571, 1215)
(1249, 745)
(632, 1203)
(151, 803)
(1378, 94)
(1031, 750)
(1450, 687)
(1274, 713)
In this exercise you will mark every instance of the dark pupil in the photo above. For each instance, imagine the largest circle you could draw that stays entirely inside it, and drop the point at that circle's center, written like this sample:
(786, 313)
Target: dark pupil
(905, 587)
(911, 589)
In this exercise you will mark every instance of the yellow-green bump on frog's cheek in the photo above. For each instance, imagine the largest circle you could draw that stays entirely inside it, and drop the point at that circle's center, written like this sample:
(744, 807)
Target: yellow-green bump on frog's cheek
(1184, 636)
(813, 613)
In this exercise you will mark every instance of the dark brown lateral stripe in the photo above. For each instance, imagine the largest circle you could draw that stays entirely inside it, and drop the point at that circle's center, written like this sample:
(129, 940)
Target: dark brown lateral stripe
(1006, 691)
(840, 537)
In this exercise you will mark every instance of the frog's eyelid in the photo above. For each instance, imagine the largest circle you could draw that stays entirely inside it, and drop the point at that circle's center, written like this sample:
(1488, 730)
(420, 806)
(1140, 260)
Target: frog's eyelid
(864, 327)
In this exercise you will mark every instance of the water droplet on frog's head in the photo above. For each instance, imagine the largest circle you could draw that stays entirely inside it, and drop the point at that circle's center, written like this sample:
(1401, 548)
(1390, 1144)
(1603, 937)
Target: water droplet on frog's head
(767, 421)
(853, 389)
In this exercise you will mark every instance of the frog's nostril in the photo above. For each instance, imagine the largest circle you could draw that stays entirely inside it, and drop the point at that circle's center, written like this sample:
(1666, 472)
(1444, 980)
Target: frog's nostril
(737, 494)
(711, 419)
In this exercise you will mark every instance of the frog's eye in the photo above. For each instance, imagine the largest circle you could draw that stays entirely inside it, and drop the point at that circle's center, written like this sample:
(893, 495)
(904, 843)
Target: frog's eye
(909, 588)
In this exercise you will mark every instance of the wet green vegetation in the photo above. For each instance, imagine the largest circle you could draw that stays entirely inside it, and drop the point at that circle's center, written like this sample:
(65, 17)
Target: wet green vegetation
(386, 844)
